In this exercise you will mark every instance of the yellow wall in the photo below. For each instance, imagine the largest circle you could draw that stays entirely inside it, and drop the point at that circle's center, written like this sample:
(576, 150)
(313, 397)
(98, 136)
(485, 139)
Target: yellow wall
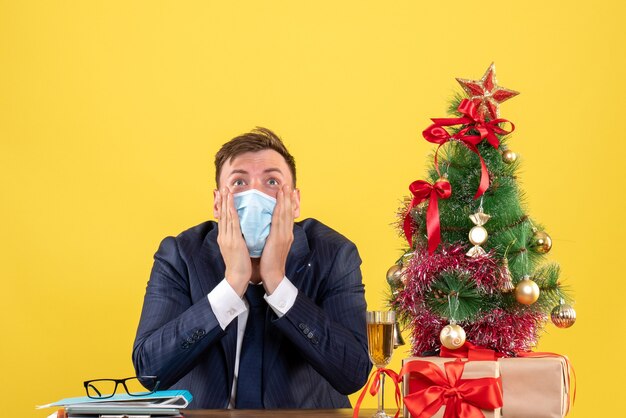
(111, 112)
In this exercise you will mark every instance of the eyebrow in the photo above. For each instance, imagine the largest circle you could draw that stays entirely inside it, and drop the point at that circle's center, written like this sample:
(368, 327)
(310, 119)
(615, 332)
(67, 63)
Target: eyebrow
(237, 171)
(269, 170)
(272, 170)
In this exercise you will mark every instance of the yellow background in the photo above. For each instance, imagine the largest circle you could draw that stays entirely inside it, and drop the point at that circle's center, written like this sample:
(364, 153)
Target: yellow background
(111, 112)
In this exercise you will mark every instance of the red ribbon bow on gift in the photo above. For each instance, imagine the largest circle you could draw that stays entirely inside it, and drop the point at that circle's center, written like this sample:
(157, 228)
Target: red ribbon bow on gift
(474, 122)
(474, 352)
(376, 387)
(421, 191)
(463, 398)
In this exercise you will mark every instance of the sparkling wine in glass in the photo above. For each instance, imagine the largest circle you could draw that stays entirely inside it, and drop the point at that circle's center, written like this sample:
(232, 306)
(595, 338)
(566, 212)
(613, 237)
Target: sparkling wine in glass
(380, 326)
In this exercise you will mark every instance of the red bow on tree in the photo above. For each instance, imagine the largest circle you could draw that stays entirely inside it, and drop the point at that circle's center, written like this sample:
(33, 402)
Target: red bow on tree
(475, 130)
(463, 398)
(421, 191)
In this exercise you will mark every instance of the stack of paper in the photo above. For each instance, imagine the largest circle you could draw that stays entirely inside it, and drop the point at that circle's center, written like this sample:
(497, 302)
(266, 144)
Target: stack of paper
(162, 404)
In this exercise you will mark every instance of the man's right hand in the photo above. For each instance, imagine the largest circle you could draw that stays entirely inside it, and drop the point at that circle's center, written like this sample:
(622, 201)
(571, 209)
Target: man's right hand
(232, 245)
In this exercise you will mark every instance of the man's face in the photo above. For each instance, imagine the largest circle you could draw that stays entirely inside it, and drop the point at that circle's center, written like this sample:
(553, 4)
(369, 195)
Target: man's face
(266, 171)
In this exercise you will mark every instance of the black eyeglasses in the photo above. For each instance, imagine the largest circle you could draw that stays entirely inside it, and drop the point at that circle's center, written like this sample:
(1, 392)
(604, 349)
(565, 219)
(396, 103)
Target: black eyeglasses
(105, 388)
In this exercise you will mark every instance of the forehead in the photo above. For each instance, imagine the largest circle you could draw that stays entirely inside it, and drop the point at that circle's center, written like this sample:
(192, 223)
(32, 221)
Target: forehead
(256, 163)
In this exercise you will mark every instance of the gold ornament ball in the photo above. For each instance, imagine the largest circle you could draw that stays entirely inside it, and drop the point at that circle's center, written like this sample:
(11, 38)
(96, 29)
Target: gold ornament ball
(509, 156)
(403, 276)
(542, 243)
(452, 336)
(527, 292)
(563, 316)
(478, 235)
(394, 274)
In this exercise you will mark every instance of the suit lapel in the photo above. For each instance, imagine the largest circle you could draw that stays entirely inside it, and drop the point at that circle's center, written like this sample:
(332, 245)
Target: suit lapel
(210, 264)
(299, 250)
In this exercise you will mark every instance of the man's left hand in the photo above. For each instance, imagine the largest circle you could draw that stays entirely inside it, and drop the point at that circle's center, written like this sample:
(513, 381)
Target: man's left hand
(278, 244)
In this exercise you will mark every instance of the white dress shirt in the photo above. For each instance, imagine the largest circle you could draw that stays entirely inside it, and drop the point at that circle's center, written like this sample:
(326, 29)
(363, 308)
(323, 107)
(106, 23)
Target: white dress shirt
(227, 305)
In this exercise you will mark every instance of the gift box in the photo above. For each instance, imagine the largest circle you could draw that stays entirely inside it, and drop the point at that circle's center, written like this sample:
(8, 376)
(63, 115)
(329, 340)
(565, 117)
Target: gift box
(535, 387)
(430, 388)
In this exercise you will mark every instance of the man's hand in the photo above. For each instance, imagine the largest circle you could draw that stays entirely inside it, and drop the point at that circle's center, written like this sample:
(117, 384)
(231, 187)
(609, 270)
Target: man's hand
(232, 245)
(278, 244)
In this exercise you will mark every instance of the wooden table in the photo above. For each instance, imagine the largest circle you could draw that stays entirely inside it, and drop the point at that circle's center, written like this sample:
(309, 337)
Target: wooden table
(266, 413)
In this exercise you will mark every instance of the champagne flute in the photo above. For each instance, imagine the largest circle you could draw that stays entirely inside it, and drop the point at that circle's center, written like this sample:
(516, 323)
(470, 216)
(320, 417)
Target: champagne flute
(380, 326)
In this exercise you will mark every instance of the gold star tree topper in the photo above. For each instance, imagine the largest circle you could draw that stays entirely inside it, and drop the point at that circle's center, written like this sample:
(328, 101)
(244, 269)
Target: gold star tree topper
(486, 93)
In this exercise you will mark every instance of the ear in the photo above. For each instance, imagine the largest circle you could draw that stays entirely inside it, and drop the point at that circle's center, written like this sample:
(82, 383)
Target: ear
(296, 203)
(216, 206)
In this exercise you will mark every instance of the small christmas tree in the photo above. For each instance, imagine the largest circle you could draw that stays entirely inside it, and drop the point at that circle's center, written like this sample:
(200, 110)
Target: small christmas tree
(475, 263)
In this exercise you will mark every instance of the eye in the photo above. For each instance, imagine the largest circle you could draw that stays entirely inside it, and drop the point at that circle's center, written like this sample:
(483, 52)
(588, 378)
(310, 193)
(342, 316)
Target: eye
(272, 182)
(239, 182)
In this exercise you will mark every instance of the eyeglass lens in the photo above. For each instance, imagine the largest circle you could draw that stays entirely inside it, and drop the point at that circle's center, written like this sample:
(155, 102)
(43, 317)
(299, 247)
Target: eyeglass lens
(107, 387)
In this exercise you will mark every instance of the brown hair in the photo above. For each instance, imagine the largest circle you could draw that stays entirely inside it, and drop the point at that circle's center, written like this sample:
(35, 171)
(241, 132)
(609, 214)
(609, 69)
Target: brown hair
(258, 139)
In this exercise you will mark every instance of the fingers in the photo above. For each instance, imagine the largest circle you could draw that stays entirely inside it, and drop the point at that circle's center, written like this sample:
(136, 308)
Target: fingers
(233, 217)
(222, 198)
(227, 213)
(288, 202)
(282, 218)
(287, 215)
(228, 219)
(274, 257)
(232, 246)
(225, 227)
(281, 231)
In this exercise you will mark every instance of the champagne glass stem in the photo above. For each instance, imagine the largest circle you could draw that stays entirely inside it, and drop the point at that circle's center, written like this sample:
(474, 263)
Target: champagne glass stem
(381, 396)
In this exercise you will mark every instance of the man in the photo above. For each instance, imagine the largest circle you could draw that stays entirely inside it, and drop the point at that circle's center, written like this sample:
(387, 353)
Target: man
(256, 311)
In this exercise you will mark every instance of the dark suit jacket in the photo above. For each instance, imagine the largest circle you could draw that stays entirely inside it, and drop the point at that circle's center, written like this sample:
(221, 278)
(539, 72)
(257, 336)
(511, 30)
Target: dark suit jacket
(313, 356)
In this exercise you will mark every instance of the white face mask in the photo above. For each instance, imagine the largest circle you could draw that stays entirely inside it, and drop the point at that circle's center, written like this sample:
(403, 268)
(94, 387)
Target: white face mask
(255, 211)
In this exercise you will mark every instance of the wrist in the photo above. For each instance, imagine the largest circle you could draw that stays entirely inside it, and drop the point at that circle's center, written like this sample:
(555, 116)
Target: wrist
(271, 280)
(239, 283)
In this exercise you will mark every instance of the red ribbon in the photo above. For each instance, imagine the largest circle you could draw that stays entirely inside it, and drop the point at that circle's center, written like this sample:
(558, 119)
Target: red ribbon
(463, 398)
(471, 352)
(375, 387)
(421, 191)
(473, 121)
